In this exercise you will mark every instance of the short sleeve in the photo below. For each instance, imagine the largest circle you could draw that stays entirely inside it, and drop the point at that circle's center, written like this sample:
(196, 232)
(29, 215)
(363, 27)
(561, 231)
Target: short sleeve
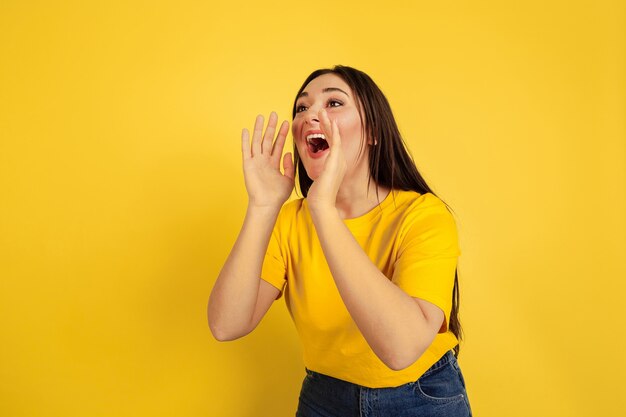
(274, 266)
(427, 257)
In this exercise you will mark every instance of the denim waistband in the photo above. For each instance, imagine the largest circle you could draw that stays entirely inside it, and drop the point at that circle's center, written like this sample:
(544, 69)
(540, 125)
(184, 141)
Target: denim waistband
(444, 360)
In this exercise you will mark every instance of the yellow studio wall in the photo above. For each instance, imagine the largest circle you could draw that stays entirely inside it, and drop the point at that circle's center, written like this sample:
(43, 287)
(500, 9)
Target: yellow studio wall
(121, 193)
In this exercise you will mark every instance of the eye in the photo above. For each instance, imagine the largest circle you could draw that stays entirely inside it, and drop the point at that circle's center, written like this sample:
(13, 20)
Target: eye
(331, 103)
(334, 103)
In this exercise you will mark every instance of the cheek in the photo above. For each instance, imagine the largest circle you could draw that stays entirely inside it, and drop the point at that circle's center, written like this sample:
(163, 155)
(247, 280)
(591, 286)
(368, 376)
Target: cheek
(349, 129)
(295, 127)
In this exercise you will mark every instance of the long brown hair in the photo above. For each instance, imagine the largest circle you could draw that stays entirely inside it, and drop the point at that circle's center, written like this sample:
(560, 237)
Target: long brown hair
(390, 163)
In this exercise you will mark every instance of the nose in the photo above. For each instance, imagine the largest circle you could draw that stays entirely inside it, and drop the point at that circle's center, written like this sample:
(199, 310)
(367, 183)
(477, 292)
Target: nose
(311, 117)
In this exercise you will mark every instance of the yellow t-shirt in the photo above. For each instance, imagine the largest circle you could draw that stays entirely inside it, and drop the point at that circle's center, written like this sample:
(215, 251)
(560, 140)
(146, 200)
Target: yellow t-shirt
(410, 237)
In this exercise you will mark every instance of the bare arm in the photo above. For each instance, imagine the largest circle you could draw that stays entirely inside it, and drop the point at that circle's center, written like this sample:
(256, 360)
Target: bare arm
(398, 327)
(240, 298)
(234, 296)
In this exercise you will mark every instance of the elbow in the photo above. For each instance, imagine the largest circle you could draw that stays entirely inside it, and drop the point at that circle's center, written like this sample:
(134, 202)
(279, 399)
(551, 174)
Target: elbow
(398, 360)
(400, 363)
(405, 352)
(223, 337)
(223, 334)
(218, 334)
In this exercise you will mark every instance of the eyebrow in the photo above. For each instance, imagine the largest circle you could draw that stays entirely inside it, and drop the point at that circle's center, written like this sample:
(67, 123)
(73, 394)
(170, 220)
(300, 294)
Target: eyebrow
(326, 90)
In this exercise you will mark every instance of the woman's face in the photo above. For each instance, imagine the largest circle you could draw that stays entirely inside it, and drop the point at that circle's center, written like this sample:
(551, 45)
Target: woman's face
(330, 92)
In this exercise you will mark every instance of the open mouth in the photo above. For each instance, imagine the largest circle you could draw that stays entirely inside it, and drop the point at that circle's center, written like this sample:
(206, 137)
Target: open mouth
(316, 142)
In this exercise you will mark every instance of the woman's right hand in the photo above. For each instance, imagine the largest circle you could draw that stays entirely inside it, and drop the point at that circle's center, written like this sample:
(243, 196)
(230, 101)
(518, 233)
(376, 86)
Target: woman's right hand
(266, 185)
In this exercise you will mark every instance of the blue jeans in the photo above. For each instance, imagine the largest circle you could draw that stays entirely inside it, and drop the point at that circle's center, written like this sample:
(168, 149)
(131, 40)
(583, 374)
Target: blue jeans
(440, 391)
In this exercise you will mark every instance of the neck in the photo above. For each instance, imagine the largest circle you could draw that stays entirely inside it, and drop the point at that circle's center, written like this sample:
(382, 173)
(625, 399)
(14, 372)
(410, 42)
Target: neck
(355, 198)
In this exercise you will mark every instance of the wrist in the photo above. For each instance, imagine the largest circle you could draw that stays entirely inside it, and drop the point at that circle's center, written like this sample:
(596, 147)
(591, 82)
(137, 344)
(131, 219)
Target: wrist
(263, 210)
(318, 209)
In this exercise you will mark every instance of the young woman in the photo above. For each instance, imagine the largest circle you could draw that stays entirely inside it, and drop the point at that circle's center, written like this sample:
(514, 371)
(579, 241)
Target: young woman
(366, 260)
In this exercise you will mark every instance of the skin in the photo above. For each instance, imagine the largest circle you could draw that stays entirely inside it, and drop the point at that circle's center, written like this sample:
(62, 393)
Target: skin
(339, 175)
(398, 327)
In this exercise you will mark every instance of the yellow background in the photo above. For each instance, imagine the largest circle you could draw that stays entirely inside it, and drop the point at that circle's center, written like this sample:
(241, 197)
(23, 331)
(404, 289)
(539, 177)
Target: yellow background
(122, 193)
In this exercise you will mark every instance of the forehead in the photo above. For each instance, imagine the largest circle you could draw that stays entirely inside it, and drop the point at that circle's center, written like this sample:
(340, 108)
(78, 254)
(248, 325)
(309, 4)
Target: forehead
(317, 85)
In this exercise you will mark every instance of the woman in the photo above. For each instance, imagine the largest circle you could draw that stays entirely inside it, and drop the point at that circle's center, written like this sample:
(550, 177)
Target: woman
(366, 260)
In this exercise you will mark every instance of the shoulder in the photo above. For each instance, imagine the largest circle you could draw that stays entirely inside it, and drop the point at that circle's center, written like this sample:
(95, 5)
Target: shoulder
(426, 217)
(413, 204)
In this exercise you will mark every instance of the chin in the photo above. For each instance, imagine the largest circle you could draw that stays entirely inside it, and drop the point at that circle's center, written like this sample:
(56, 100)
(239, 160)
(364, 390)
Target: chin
(313, 168)
(313, 174)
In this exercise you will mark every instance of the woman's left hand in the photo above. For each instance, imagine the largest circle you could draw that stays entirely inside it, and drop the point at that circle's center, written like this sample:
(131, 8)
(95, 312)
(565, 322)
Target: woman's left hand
(323, 192)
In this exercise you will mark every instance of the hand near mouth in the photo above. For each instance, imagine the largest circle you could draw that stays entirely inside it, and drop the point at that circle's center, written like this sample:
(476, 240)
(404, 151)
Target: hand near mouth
(323, 191)
(267, 187)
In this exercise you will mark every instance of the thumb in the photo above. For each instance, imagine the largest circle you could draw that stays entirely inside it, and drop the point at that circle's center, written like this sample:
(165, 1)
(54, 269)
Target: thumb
(288, 165)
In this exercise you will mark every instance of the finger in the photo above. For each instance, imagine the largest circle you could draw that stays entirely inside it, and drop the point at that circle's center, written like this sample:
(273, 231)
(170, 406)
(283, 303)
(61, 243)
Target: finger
(277, 150)
(336, 136)
(245, 144)
(326, 127)
(288, 167)
(256, 136)
(268, 137)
